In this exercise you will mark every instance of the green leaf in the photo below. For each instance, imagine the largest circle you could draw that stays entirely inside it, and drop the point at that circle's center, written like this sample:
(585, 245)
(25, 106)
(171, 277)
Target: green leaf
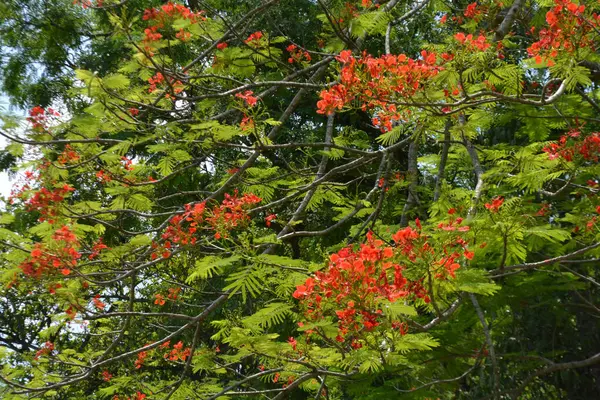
(115, 81)
(211, 265)
(390, 137)
(165, 165)
(140, 240)
(475, 281)
(415, 341)
(246, 281)
(84, 75)
(6, 219)
(272, 314)
(139, 202)
(397, 309)
(279, 260)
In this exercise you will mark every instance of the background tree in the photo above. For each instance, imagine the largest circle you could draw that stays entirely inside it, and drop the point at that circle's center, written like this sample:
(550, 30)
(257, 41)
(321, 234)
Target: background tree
(296, 199)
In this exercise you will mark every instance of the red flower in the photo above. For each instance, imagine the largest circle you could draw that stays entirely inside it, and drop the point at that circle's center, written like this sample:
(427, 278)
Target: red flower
(222, 46)
(472, 11)
(97, 248)
(293, 343)
(270, 218)
(304, 290)
(255, 37)
(173, 293)
(139, 396)
(429, 58)
(247, 97)
(183, 35)
(106, 376)
(156, 79)
(551, 18)
(345, 57)
(140, 359)
(46, 349)
(495, 205)
(98, 303)
(160, 300)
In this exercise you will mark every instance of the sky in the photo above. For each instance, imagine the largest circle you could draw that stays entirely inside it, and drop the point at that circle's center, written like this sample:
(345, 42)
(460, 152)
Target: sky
(5, 183)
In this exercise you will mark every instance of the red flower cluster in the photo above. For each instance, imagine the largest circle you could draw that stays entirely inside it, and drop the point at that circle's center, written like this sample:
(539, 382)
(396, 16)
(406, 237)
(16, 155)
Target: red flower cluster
(176, 86)
(247, 97)
(156, 79)
(357, 281)
(270, 218)
(222, 45)
(398, 178)
(231, 213)
(38, 117)
(173, 293)
(570, 146)
(453, 225)
(47, 201)
(103, 176)
(297, 55)
(171, 11)
(127, 163)
(480, 43)
(68, 156)
(543, 211)
(472, 11)
(372, 82)
(178, 353)
(367, 3)
(61, 257)
(568, 30)
(71, 311)
(194, 214)
(97, 248)
(46, 349)
(164, 16)
(106, 376)
(183, 35)
(247, 123)
(495, 205)
(254, 39)
(99, 304)
(159, 78)
(141, 359)
(175, 354)
(160, 299)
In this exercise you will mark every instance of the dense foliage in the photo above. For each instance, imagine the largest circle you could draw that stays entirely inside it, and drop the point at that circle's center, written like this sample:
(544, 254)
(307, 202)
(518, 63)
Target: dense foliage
(331, 199)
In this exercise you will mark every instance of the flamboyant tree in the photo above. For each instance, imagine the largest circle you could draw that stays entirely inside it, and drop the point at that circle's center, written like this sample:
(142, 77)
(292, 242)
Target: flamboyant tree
(301, 199)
